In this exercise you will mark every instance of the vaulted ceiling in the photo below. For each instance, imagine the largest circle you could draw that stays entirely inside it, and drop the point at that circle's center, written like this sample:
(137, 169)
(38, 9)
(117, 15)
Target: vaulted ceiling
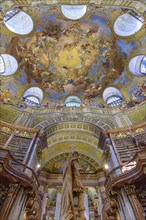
(70, 49)
(52, 50)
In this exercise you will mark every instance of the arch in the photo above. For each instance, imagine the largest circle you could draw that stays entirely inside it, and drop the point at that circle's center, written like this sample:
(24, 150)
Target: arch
(99, 124)
(81, 136)
(87, 156)
(72, 132)
(87, 139)
(72, 126)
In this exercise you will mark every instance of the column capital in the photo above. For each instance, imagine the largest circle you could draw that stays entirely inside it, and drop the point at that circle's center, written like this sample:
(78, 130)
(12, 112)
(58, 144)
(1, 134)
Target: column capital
(131, 192)
(58, 188)
(130, 189)
(13, 188)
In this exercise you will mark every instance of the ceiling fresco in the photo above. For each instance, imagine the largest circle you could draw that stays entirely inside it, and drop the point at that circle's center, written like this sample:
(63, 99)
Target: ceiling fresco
(64, 57)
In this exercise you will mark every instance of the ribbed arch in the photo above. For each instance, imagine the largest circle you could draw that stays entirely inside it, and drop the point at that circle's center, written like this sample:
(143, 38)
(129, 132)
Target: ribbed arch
(89, 120)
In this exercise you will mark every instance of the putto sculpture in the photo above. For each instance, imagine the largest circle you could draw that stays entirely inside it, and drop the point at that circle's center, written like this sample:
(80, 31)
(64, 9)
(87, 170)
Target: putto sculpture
(72, 188)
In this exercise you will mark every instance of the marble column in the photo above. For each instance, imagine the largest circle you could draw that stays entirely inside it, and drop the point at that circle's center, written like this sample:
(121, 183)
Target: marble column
(137, 208)
(118, 121)
(30, 151)
(120, 208)
(18, 208)
(122, 120)
(33, 160)
(127, 120)
(86, 206)
(101, 194)
(127, 207)
(113, 158)
(9, 201)
(44, 202)
(57, 209)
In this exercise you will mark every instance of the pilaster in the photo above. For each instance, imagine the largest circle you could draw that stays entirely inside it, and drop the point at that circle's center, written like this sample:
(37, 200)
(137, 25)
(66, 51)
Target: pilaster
(12, 193)
(130, 190)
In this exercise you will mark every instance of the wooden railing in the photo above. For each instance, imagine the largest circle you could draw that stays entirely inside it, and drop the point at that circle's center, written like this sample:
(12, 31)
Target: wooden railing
(17, 170)
(20, 141)
(127, 141)
(127, 172)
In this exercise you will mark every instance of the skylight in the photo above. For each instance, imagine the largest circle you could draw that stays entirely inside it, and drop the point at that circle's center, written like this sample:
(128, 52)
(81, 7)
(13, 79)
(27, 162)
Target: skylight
(33, 96)
(72, 101)
(137, 65)
(127, 24)
(114, 101)
(32, 100)
(18, 22)
(73, 12)
(112, 96)
(143, 66)
(2, 65)
(8, 64)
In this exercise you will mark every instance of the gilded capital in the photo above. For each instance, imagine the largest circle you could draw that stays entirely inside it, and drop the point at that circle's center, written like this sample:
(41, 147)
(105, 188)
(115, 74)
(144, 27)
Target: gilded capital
(130, 189)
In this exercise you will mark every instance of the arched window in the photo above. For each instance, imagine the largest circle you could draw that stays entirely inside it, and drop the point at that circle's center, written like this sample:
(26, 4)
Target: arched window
(18, 22)
(114, 100)
(72, 101)
(128, 24)
(32, 100)
(73, 12)
(33, 96)
(8, 65)
(143, 66)
(137, 65)
(112, 96)
(2, 65)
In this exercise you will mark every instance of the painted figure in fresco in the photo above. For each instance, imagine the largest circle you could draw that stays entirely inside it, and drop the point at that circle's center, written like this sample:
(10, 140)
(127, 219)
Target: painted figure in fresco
(72, 188)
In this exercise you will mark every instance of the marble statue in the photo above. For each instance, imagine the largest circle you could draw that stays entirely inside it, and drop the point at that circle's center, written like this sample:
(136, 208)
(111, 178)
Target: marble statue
(72, 188)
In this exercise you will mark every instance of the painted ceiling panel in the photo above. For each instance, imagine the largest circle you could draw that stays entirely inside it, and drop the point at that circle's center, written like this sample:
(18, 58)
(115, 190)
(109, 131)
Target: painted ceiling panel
(66, 57)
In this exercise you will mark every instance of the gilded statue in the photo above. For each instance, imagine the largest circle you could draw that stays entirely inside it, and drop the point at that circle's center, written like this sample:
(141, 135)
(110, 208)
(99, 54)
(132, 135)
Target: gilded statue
(72, 188)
